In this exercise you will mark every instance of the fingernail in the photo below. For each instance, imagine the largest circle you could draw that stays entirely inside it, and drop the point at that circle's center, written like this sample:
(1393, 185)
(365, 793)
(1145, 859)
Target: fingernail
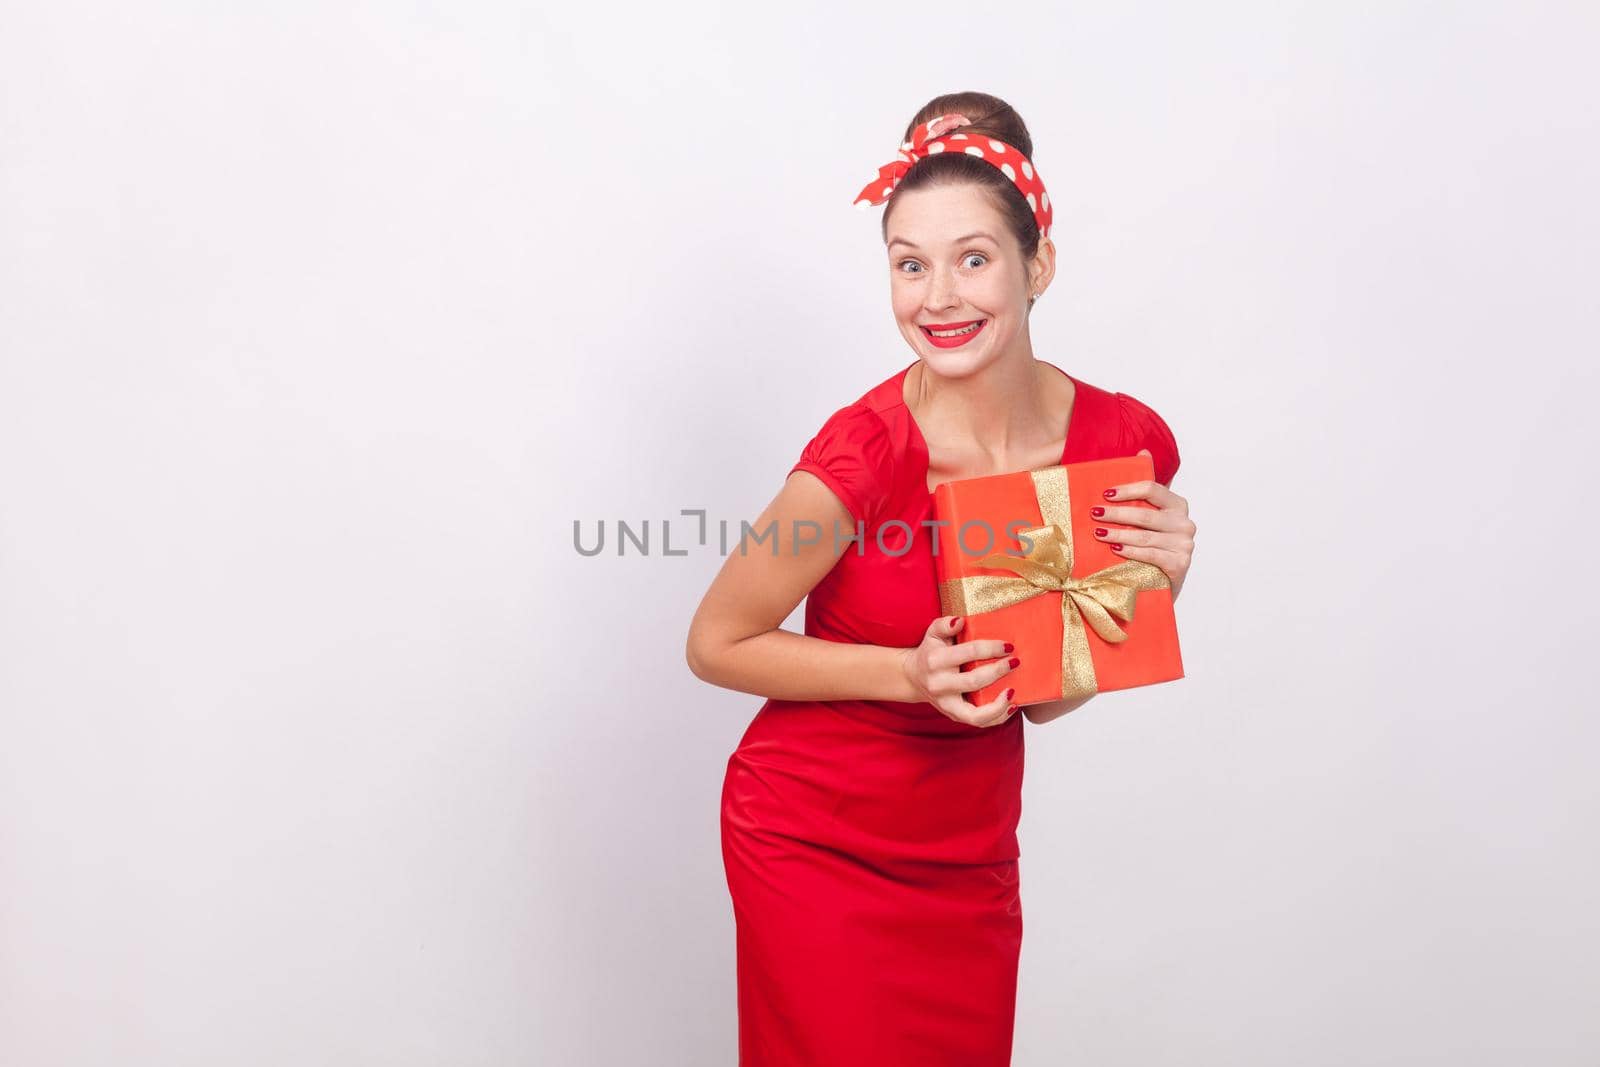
(1008, 647)
(1097, 512)
(1116, 548)
(955, 620)
(1010, 693)
(1099, 531)
(1015, 662)
(1012, 710)
(1109, 493)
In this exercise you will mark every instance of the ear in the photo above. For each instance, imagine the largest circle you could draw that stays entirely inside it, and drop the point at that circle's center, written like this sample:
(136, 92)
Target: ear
(1043, 268)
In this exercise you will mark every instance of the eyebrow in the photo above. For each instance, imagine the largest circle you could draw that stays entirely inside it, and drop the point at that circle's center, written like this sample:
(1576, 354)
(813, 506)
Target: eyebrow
(958, 240)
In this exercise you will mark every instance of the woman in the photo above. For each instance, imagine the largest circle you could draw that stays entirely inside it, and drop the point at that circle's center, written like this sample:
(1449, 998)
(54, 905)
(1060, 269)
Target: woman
(869, 813)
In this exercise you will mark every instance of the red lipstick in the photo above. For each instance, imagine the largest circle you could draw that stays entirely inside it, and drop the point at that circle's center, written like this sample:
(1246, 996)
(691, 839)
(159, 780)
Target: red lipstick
(959, 339)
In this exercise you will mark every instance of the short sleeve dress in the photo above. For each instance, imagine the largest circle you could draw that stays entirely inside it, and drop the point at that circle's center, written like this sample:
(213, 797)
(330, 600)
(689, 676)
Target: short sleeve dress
(870, 846)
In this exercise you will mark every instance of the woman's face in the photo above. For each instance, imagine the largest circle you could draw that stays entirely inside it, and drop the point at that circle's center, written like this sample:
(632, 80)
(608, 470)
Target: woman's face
(953, 263)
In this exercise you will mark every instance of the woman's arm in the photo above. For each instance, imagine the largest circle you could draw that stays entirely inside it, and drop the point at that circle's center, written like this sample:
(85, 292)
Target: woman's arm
(1050, 710)
(735, 640)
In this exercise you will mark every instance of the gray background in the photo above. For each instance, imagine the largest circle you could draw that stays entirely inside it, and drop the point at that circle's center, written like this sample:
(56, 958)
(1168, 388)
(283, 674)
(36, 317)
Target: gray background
(321, 323)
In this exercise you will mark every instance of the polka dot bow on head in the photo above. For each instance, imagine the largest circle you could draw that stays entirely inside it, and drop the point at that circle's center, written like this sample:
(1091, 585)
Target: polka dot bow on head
(934, 136)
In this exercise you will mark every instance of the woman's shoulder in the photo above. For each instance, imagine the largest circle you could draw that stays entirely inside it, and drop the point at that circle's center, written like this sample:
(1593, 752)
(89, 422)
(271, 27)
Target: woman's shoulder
(857, 452)
(1120, 424)
(875, 421)
(855, 429)
(1143, 427)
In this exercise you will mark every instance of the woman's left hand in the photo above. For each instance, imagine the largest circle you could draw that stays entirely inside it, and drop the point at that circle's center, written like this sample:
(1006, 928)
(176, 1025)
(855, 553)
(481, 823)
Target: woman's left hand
(1163, 535)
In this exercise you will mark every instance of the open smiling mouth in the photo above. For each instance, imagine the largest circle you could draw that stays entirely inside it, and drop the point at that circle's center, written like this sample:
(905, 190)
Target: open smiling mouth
(953, 335)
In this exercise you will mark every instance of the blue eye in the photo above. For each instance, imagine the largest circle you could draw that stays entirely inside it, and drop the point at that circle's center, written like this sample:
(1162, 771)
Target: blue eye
(900, 266)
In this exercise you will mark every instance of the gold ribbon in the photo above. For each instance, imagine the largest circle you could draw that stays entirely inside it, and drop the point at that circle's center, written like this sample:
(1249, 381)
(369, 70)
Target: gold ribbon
(1047, 568)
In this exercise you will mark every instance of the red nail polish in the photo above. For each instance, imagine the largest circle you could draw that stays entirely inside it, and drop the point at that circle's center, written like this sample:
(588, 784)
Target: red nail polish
(1099, 531)
(1012, 710)
(1116, 548)
(1015, 662)
(1097, 512)
(1008, 647)
(1010, 693)
(1109, 493)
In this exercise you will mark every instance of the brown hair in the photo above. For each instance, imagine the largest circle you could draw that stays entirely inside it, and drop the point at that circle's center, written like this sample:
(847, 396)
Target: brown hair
(991, 117)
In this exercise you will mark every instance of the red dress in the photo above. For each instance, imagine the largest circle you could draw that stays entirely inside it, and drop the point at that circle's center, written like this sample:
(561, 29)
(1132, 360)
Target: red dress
(870, 846)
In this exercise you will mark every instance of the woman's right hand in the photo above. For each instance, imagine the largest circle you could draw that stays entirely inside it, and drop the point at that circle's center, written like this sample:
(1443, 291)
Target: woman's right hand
(934, 669)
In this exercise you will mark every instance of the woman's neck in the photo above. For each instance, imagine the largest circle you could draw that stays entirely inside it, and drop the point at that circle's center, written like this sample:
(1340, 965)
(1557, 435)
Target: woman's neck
(996, 414)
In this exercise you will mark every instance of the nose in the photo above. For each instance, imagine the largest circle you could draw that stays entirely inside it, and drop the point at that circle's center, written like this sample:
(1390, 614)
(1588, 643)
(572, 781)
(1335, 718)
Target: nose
(941, 290)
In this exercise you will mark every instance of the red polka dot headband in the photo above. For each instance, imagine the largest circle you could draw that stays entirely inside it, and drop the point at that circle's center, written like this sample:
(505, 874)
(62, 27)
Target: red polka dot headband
(934, 136)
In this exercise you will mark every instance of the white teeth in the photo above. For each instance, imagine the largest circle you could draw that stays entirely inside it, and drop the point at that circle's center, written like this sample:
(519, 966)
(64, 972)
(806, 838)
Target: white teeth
(955, 333)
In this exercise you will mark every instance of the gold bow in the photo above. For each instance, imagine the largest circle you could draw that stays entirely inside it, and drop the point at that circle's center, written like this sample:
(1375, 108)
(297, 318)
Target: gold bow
(1047, 568)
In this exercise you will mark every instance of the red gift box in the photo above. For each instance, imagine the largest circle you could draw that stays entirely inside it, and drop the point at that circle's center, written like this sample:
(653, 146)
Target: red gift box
(1082, 618)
